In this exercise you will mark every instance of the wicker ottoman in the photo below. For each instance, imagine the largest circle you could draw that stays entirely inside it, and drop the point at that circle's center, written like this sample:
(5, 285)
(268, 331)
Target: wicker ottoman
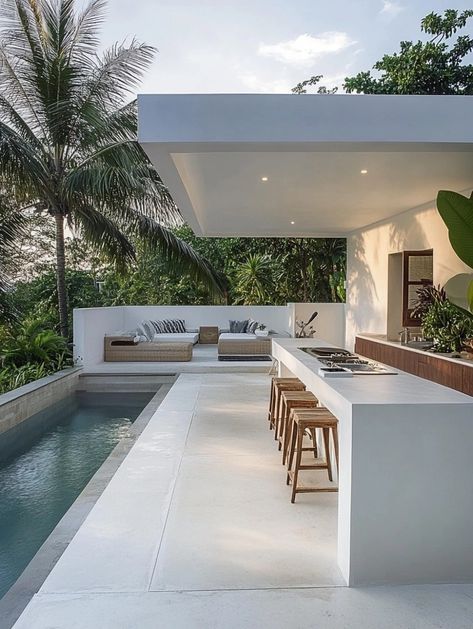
(124, 349)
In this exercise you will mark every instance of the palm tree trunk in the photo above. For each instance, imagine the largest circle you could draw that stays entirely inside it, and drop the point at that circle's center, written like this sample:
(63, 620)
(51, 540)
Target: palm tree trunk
(61, 275)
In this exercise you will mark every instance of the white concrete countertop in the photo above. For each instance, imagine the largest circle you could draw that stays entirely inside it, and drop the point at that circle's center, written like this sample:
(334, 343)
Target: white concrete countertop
(382, 338)
(401, 388)
(405, 501)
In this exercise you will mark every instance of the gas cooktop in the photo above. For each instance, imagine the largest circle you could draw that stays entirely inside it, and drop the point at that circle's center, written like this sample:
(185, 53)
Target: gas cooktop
(328, 352)
(335, 357)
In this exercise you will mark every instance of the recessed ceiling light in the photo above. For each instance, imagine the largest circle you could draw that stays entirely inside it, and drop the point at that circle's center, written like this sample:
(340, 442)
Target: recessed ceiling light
(292, 222)
(364, 171)
(264, 179)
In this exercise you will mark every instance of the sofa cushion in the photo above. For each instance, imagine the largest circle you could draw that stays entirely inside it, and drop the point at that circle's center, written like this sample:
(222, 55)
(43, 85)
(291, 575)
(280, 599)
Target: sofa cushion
(238, 326)
(234, 336)
(165, 337)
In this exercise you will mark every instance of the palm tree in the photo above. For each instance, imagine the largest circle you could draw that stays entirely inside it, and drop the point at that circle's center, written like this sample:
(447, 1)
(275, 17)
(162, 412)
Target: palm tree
(257, 277)
(68, 136)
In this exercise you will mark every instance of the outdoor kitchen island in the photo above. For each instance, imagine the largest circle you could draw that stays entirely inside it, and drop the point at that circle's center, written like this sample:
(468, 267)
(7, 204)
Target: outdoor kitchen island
(405, 508)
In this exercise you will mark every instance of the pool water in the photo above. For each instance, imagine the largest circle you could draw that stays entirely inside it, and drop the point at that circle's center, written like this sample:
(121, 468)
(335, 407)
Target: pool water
(47, 461)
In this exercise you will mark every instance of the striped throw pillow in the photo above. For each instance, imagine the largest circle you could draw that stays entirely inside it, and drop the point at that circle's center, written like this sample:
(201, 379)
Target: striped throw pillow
(170, 326)
(251, 327)
(158, 326)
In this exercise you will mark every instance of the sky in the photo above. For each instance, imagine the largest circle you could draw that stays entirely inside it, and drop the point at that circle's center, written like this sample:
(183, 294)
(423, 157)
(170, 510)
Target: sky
(265, 46)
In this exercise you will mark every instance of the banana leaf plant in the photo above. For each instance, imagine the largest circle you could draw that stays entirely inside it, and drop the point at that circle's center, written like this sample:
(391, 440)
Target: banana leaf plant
(457, 214)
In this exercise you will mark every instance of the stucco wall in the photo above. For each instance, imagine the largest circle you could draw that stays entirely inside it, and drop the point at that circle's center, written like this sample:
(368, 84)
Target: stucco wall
(329, 325)
(367, 272)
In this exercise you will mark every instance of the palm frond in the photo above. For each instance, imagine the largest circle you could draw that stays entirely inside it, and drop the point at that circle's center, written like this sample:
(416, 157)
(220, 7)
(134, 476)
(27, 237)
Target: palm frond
(12, 227)
(120, 175)
(105, 88)
(21, 164)
(105, 235)
(179, 256)
(86, 37)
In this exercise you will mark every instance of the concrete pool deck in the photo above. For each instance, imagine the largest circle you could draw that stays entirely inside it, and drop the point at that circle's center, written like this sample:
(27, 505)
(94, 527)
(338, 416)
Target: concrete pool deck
(196, 530)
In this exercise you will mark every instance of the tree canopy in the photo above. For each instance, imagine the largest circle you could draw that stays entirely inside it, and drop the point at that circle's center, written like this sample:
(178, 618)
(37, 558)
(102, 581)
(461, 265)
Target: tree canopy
(436, 64)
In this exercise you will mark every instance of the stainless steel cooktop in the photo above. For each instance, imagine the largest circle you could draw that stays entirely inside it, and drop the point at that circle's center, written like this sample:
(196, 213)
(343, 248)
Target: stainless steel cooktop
(337, 357)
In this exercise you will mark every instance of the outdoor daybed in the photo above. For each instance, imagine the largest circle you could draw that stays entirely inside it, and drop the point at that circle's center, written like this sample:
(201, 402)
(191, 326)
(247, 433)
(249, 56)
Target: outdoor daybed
(235, 345)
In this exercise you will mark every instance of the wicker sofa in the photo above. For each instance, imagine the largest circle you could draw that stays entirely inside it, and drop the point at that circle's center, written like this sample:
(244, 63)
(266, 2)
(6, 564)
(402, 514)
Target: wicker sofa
(124, 348)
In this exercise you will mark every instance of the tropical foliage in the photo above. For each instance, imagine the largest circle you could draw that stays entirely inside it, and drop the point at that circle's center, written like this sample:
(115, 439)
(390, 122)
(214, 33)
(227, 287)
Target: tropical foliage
(256, 278)
(447, 326)
(34, 342)
(457, 214)
(31, 350)
(68, 137)
(436, 64)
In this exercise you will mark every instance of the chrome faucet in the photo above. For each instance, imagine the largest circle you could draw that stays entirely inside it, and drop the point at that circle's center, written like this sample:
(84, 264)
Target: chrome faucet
(405, 336)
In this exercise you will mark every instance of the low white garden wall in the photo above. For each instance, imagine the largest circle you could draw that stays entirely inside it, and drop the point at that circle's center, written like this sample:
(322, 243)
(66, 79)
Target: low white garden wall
(91, 324)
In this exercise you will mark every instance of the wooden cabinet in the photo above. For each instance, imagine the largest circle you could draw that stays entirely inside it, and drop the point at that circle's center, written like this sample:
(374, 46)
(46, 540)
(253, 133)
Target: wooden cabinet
(467, 380)
(450, 374)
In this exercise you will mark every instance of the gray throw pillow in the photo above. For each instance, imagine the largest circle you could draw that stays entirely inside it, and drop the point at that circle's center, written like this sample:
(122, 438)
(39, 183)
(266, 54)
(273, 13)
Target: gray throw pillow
(238, 327)
(148, 328)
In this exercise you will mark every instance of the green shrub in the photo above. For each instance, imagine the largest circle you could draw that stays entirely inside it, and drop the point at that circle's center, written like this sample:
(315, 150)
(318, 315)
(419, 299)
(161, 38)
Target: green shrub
(447, 326)
(12, 377)
(31, 350)
(36, 343)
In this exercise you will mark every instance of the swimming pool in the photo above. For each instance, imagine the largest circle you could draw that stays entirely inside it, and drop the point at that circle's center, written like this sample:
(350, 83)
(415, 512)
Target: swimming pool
(46, 461)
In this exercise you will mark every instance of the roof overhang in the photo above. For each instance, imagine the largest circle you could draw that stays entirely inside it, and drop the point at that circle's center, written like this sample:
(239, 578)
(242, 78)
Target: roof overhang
(213, 151)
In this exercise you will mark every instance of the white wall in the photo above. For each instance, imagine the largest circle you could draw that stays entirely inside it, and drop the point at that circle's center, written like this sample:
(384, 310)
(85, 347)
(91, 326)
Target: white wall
(367, 262)
(329, 325)
(274, 317)
(91, 324)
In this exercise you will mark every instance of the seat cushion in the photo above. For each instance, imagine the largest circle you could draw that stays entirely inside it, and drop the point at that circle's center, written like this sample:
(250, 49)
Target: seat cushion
(190, 337)
(234, 336)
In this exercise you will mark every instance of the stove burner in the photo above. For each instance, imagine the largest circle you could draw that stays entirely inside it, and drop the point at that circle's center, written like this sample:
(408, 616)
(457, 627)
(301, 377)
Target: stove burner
(334, 357)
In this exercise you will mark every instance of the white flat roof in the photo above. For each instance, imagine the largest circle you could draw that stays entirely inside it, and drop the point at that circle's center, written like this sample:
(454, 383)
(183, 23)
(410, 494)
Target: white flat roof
(213, 151)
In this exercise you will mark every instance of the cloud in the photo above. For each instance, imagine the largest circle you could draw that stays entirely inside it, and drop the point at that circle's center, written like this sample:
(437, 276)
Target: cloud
(256, 84)
(304, 49)
(391, 8)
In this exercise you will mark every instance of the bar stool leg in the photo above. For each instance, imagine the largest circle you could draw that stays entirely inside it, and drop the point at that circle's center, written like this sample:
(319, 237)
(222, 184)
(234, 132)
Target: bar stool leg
(335, 443)
(271, 405)
(326, 432)
(278, 403)
(313, 434)
(286, 436)
(292, 449)
(300, 436)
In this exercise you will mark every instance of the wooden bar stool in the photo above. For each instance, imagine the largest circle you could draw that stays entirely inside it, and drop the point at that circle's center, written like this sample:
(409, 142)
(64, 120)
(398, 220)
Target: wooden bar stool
(302, 420)
(290, 400)
(277, 386)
